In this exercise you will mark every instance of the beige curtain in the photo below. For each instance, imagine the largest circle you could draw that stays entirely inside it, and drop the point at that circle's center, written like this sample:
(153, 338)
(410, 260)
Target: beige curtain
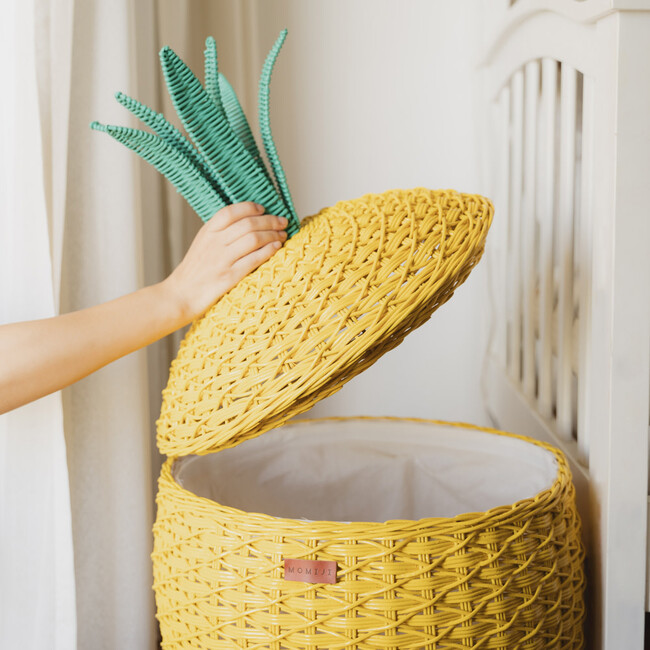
(37, 589)
(82, 221)
(115, 241)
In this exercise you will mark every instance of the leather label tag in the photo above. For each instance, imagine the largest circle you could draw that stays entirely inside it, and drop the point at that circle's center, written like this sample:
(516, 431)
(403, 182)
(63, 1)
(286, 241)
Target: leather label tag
(310, 571)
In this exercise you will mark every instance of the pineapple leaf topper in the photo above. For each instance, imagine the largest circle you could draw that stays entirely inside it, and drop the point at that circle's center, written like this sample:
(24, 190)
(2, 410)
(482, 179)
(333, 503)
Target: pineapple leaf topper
(222, 163)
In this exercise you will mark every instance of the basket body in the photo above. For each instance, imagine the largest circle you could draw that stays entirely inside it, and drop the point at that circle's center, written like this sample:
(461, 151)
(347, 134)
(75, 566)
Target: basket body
(509, 577)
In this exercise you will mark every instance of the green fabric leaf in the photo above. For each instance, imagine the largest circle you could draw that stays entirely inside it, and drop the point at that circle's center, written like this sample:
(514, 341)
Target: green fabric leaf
(267, 138)
(169, 133)
(238, 121)
(181, 171)
(226, 157)
(222, 163)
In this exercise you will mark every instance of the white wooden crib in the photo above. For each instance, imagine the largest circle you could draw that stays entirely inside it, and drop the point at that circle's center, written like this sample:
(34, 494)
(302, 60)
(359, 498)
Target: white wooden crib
(568, 166)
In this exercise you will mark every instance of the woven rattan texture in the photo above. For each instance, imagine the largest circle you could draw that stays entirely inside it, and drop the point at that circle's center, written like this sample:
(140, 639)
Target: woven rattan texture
(507, 579)
(221, 164)
(345, 289)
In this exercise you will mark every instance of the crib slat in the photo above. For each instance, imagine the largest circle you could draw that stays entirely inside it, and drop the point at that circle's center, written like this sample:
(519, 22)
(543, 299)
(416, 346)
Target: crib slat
(500, 228)
(529, 229)
(514, 232)
(564, 250)
(545, 210)
(584, 248)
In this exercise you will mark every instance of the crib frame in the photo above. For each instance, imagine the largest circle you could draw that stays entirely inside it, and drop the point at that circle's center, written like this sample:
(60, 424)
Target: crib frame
(567, 161)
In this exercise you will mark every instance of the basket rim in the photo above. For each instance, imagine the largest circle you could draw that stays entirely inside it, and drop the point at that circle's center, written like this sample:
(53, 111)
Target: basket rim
(465, 523)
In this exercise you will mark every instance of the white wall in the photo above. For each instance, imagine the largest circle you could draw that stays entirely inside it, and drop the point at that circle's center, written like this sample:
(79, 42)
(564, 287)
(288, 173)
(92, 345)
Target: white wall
(370, 95)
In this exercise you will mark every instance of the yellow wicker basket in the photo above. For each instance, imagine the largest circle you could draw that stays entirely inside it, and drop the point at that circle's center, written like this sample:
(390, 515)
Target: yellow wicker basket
(505, 575)
(346, 288)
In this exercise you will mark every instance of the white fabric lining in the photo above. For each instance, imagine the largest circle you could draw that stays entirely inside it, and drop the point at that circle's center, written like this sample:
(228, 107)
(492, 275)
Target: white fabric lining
(370, 470)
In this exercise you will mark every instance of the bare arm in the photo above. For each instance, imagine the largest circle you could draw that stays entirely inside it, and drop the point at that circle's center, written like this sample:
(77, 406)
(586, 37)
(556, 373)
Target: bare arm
(40, 357)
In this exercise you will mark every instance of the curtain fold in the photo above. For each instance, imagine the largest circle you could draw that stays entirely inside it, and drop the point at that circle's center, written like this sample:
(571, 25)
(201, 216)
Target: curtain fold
(37, 588)
(107, 415)
(82, 221)
(53, 20)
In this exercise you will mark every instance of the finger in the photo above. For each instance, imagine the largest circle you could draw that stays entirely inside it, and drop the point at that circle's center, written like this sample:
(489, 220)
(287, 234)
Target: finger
(250, 225)
(233, 213)
(250, 262)
(253, 241)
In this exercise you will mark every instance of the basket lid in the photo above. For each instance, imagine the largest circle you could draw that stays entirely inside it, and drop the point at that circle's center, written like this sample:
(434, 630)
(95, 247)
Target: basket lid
(348, 287)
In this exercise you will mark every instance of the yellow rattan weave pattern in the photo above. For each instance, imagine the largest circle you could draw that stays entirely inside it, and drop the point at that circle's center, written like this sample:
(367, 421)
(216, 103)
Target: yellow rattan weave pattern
(506, 579)
(345, 289)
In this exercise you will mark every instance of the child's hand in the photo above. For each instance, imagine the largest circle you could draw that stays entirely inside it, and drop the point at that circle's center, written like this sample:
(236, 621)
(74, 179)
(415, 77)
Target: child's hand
(39, 357)
(235, 241)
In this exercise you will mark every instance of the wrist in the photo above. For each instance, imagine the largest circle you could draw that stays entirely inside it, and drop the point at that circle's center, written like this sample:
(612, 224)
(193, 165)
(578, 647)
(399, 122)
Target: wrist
(175, 302)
